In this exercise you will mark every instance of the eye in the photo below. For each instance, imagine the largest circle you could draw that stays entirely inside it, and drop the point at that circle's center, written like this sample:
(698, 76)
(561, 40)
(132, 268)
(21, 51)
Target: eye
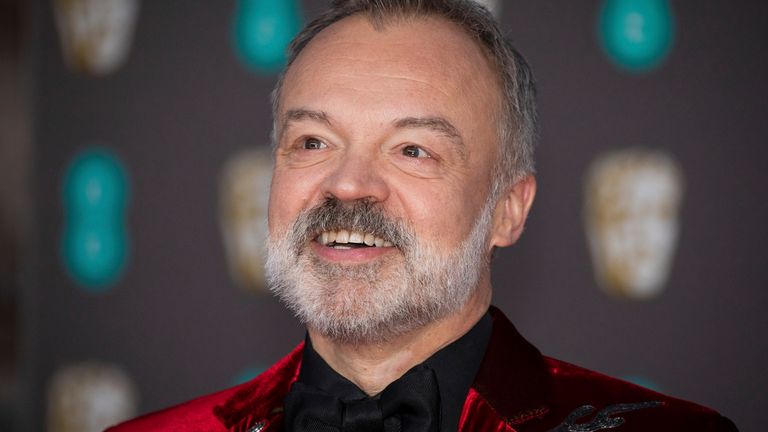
(314, 144)
(415, 152)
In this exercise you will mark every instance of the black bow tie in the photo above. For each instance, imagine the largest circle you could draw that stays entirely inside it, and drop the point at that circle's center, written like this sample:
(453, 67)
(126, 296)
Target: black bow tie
(410, 404)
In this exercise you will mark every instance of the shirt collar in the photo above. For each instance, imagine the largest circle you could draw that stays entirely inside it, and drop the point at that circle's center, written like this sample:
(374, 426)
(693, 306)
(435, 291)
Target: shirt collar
(455, 367)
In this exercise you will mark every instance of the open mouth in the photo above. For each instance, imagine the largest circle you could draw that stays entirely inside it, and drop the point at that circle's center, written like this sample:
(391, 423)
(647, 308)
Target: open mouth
(345, 239)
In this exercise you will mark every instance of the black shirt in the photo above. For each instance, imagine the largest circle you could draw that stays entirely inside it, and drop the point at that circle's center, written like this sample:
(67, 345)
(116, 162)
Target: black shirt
(455, 367)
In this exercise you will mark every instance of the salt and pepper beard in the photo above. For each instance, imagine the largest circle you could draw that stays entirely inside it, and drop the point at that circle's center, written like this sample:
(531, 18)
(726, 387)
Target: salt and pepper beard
(373, 302)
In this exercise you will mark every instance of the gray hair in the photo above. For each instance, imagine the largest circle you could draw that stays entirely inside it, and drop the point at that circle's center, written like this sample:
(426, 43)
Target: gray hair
(517, 122)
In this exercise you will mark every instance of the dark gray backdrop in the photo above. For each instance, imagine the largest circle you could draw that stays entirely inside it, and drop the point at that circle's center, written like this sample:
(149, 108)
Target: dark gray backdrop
(183, 104)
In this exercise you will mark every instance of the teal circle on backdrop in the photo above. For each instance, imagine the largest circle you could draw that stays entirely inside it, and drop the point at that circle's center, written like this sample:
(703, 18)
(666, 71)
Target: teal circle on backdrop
(248, 374)
(637, 35)
(262, 30)
(95, 182)
(95, 196)
(95, 254)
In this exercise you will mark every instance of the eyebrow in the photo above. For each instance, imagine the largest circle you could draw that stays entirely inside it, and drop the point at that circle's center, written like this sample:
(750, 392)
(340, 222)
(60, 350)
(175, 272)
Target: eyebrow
(437, 124)
(299, 114)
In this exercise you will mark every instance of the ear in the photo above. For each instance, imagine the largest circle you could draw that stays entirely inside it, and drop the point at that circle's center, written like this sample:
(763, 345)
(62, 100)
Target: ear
(511, 212)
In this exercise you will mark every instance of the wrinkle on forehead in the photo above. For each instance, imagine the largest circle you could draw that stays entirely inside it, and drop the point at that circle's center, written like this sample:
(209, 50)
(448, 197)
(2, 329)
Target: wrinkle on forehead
(399, 77)
(358, 72)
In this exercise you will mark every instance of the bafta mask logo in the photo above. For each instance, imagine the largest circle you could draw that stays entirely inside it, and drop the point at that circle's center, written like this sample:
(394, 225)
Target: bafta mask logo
(89, 397)
(95, 34)
(244, 197)
(632, 200)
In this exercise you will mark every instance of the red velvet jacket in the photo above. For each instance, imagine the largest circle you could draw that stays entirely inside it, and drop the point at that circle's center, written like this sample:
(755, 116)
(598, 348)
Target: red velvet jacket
(516, 389)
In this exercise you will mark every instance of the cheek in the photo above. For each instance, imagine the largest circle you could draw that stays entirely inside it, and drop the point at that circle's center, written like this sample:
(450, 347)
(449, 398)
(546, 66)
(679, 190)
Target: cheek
(288, 196)
(444, 213)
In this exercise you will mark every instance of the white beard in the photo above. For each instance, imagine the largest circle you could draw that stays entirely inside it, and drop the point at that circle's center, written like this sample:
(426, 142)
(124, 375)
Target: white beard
(370, 303)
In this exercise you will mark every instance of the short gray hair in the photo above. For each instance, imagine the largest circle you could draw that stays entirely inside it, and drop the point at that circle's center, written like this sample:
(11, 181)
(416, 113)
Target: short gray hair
(518, 120)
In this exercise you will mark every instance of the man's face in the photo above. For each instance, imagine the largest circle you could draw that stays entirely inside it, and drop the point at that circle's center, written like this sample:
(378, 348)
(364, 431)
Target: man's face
(391, 135)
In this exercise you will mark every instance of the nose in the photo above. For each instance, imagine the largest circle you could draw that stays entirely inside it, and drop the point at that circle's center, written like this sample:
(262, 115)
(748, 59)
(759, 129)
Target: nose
(357, 176)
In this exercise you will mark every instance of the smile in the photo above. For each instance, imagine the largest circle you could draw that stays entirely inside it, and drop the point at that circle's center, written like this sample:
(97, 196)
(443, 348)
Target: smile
(344, 239)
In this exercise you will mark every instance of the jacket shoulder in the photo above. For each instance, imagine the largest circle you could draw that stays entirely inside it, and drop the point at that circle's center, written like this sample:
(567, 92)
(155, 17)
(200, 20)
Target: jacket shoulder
(223, 410)
(196, 414)
(576, 390)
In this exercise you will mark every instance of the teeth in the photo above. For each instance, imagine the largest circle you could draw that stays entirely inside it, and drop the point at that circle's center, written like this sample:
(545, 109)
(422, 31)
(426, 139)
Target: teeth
(356, 237)
(345, 237)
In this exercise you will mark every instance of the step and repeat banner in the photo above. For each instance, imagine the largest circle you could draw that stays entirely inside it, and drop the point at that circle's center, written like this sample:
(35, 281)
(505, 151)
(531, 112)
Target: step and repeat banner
(153, 172)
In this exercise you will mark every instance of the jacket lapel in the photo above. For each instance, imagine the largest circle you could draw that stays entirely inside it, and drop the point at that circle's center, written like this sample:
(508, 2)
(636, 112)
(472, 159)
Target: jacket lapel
(512, 385)
(258, 405)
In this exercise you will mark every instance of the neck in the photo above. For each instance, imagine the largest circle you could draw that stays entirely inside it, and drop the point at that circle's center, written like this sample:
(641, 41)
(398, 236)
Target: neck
(374, 366)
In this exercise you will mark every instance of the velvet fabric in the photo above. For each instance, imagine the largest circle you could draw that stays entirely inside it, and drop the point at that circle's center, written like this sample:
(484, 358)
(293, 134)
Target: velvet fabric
(516, 390)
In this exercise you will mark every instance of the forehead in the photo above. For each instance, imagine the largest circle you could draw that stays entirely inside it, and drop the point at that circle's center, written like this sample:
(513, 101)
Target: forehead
(427, 62)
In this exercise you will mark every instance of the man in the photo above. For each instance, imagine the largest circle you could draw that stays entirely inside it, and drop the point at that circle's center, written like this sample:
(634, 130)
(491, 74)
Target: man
(403, 157)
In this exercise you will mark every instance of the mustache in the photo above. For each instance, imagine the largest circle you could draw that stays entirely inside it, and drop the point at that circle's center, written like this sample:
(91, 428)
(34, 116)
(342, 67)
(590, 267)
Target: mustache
(362, 215)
